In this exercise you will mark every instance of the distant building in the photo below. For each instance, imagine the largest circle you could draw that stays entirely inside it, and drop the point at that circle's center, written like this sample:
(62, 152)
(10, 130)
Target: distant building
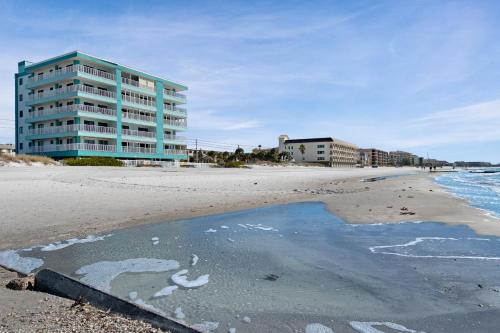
(398, 158)
(329, 151)
(7, 149)
(373, 157)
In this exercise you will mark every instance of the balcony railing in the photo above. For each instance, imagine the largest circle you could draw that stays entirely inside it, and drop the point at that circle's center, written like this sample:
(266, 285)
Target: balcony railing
(140, 117)
(136, 84)
(174, 137)
(136, 100)
(70, 69)
(72, 88)
(145, 150)
(177, 123)
(175, 151)
(72, 128)
(138, 133)
(174, 109)
(175, 94)
(71, 108)
(73, 146)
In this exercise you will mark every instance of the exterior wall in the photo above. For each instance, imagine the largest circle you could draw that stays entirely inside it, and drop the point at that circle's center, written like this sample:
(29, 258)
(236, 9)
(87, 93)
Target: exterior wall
(400, 158)
(79, 105)
(374, 157)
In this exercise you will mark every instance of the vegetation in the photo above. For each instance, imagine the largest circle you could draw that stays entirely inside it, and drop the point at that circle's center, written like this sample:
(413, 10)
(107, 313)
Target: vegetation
(234, 164)
(257, 155)
(93, 161)
(28, 159)
(302, 149)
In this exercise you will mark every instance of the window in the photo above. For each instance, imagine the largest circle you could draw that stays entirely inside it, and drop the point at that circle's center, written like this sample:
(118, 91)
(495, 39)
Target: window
(20, 81)
(321, 158)
(21, 146)
(21, 114)
(69, 141)
(20, 130)
(70, 122)
(88, 122)
(320, 152)
(320, 146)
(29, 144)
(20, 97)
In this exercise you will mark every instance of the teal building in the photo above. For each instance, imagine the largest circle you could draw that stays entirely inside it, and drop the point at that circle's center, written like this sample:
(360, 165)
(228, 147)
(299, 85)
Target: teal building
(79, 105)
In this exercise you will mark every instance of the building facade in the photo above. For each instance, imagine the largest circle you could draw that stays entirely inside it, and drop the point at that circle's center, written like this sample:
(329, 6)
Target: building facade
(328, 151)
(79, 105)
(398, 158)
(7, 149)
(373, 157)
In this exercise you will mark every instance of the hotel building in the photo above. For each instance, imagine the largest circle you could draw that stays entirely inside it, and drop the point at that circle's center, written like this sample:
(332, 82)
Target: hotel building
(398, 158)
(79, 105)
(373, 157)
(328, 151)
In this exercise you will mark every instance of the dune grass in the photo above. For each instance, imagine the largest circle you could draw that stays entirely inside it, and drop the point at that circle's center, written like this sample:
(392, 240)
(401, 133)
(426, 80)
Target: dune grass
(93, 161)
(27, 159)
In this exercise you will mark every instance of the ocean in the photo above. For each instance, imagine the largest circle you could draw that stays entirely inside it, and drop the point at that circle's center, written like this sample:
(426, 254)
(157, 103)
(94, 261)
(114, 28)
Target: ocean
(481, 190)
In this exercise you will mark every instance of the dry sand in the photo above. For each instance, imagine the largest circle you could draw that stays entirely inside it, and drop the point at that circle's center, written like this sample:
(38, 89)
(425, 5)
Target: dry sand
(43, 204)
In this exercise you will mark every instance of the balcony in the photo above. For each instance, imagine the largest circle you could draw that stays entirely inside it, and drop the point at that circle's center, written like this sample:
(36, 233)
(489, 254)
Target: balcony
(71, 108)
(143, 150)
(142, 134)
(54, 130)
(175, 152)
(71, 69)
(78, 88)
(139, 117)
(182, 123)
(139, 101)
(177, 95)
(73, 146)
(174, 109)
(172, 137)
(137, 84)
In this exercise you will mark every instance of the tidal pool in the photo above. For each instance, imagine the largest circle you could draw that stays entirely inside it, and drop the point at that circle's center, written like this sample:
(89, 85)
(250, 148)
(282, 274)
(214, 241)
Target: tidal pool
(291, 268)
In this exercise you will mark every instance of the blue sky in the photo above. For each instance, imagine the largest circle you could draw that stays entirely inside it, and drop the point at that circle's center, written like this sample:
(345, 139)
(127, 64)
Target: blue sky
(422, 76)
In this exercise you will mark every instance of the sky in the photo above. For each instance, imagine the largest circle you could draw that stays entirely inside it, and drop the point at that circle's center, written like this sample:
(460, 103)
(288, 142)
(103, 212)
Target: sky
(420, 76)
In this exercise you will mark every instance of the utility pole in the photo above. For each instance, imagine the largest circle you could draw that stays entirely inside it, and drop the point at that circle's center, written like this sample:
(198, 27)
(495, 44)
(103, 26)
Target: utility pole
(196, 150)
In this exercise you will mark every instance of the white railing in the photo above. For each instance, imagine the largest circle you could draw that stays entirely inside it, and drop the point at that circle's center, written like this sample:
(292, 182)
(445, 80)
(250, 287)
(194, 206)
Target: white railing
(175, 152)
(140, 117)
(174, 137)
(70, 69)
(136, 84)
(72, 128)
(178, 123)
(142, 163)
(174, 109)
(71, 108)
(138, 133)
(72, 88)
(145, 150)
(175, 94)
(141, 101)
(73, 146)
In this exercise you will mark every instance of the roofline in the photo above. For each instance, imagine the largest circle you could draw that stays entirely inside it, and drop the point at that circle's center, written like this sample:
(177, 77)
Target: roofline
(327, 139)
(76, 53)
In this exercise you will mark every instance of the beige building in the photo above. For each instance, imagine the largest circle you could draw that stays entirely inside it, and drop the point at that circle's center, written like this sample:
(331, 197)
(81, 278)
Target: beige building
(328, 151)
(7, 149)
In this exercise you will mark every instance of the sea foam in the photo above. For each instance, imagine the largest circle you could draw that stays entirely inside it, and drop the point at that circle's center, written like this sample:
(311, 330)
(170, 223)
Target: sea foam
(180, 279)
(318, 328)
(11, 259)
(61, 245)
(367, 327)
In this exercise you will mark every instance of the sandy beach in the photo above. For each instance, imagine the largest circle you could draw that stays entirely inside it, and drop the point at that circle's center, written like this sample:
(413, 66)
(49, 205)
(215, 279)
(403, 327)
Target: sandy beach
(44, 204)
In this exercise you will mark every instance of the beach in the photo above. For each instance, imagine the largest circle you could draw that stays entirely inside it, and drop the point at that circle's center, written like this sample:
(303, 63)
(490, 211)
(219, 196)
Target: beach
(45, 204)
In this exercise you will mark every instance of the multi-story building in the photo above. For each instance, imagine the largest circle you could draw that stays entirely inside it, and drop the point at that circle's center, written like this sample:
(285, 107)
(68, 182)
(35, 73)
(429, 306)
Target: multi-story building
(328, 151)
(400, 158)
(374, 157)
(79, 105)
(7, 149)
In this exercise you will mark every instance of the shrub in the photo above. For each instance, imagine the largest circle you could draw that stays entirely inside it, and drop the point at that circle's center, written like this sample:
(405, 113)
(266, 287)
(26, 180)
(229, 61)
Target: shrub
(234, 164)
(28, 159)
(93, 161)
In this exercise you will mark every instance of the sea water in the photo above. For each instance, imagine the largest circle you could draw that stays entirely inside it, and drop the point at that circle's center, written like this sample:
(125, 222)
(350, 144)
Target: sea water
(291, 268)
(480, 189)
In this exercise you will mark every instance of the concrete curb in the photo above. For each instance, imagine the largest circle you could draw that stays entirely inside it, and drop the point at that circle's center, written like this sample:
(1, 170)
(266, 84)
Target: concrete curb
(60, 285)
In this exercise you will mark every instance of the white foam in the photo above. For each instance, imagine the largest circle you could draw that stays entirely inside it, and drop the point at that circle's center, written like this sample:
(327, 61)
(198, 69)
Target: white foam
(179, 314)
(11, 259)
(260, 227)
(231, 240)
(149, 307)
(156, 242)
(194, 259)
(211, 230)
(132, 295)
(154, 239)
(224, 227)
(206, 326)
(61, 245)
(318, 328)
(367, 327)
(243, 226)
(100, 274)
(180, 279)
(231, 330)
(247, 319)
(165, 291)
(376, 249)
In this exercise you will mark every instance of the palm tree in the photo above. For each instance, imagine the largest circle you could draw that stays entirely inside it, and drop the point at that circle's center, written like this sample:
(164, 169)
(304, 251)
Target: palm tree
(302, 149)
